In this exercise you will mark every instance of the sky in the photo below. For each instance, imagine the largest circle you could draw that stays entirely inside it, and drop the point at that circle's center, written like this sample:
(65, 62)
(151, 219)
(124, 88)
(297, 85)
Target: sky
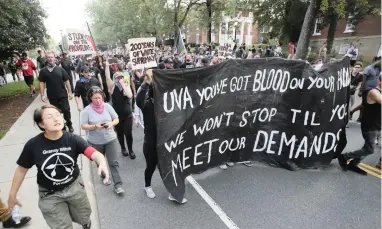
(64, 14)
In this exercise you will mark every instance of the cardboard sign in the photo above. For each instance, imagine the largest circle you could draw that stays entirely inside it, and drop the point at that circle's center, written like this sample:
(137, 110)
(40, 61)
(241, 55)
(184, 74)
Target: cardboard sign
(142, 52)
(80, 42)
(281, 112)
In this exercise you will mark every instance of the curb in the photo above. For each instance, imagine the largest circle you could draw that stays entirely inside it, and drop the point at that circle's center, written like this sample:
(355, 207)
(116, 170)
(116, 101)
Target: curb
(90, 190)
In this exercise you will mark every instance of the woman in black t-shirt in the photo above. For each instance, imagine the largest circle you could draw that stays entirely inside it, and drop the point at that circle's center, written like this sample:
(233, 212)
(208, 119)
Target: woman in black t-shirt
(54, 152)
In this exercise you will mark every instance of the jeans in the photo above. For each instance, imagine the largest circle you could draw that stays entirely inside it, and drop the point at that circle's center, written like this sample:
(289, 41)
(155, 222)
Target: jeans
(5, 213)
(368, 148)
(110, 150)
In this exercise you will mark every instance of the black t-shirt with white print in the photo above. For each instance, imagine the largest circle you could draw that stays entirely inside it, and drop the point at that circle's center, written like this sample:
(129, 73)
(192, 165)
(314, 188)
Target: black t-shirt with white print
(56, 160)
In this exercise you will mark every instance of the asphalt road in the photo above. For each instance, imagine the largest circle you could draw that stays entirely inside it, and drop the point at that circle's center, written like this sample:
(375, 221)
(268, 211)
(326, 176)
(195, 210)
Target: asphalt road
(252, 197)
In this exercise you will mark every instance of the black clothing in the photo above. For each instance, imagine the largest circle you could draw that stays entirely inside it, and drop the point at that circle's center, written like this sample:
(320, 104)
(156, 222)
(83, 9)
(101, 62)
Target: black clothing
(94, 71)
(63, 105)
(187, 65)
(145, 102)
(371, 118)
(67, 65)
(42, 62)
(121, 103)
(125, 130)
(177, 64)
(55, 82)
(82, 88)
(56, 160)
(355, 80)
(104, 84)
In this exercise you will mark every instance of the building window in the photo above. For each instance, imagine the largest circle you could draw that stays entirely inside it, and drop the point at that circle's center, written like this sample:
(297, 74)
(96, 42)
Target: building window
(349, 26)
(317, 25)
(264, 29)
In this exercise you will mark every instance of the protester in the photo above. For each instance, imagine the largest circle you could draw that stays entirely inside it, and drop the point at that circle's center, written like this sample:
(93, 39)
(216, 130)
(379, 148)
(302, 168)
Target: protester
(41, 61)
(82, 88)
(3, 75)
(27, 66)
(57, 83)
(292, 48)
(356, 80)
(121, 96)
(353, 54)
(54, 152)
(188, 62)
(322, 53)
(12, 66)
(370, 127)
(99, 120)
(145, 101)
(67, 65)
(177, 61)
(101, 62)
(168, 64)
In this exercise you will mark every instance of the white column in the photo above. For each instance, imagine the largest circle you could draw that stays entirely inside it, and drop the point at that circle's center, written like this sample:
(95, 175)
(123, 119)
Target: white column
(242, 32)
(226, 34)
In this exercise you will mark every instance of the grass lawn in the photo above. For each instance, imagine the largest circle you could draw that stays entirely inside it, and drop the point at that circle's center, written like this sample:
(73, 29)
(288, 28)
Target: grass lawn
(16, 88)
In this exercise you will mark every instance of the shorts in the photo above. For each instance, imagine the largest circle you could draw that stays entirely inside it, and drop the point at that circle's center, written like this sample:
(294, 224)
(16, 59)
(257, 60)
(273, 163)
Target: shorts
(61, 208)
(29, 80)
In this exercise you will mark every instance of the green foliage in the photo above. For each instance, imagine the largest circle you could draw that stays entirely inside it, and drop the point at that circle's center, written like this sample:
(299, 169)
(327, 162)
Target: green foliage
(21, 25)
(16, 88)
(312, 58)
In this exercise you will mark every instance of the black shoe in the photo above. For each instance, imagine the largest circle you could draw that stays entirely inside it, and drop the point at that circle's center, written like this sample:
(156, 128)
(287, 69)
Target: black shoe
(87, 226)
(125, 153)
(10, 223)
(343, 162)
(355, 168)
(132, 155)
(71, 130)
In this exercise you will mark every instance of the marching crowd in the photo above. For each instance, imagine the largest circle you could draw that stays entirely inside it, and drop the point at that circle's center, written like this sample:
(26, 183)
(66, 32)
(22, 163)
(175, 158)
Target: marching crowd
(112, 98)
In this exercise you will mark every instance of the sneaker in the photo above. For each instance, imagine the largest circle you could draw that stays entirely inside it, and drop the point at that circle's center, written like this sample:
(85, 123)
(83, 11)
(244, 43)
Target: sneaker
(170, 197)
(10, 223)
(118, 189)
(149, 192)
(132, 155)
(343, 162)
(87, 226)
(125, 153)
(355, 168)
(224, 167)
(71, 130)
(230, 164)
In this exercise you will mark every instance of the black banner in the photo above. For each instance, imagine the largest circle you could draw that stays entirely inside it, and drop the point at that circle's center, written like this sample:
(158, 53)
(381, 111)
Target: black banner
(277, 111)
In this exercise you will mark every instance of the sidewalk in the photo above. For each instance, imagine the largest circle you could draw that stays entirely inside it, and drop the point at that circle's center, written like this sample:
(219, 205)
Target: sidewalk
(10, 148)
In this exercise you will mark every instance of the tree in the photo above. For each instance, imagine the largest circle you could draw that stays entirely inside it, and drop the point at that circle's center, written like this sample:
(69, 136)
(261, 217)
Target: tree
(307, 29)
(353, 10)
(21, 25)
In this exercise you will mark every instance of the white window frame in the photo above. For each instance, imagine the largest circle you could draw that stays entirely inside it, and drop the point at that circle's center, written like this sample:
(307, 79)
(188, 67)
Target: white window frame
(349, 28)
(264, 29)
(317, 32)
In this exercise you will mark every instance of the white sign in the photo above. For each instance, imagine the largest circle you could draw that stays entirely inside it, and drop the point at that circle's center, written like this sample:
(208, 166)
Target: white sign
(142, 52)
(80, 42)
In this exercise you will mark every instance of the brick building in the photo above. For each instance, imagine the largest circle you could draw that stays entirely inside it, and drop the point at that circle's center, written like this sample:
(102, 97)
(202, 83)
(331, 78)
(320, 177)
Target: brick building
(240, 25)
(367, 34)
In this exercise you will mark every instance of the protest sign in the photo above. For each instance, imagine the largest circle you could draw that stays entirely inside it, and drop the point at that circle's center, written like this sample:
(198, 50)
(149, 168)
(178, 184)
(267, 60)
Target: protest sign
(80, 42)
(141, 52)
(277, 111)
(224, 49)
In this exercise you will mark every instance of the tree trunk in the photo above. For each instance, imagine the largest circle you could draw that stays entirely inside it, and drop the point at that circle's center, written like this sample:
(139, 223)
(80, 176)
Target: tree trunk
(307, 30)
(331, 31)
(209, 10)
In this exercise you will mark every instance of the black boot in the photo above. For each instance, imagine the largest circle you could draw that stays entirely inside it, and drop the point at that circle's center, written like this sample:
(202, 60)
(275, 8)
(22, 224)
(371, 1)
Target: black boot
(353, 166)
(10, 223)
(132, 154)
(125, 153)
(343, 162)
